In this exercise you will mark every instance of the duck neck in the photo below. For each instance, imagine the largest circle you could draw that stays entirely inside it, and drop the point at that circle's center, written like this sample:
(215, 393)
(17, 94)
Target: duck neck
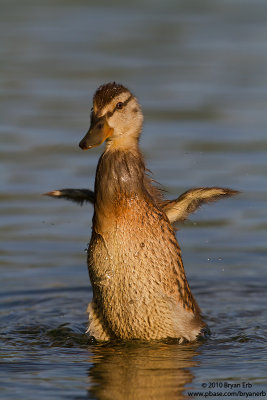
(119, 180)
(119, 173)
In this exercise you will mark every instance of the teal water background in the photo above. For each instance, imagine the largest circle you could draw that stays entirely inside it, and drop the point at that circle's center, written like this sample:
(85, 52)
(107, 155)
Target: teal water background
(199, 70)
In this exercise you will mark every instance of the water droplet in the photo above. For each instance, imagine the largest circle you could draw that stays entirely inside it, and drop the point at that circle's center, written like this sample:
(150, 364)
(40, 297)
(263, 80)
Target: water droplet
(86, 249)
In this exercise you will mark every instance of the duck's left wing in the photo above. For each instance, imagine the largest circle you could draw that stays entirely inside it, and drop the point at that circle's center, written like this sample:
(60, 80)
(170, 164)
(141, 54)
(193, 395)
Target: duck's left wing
(179, 209)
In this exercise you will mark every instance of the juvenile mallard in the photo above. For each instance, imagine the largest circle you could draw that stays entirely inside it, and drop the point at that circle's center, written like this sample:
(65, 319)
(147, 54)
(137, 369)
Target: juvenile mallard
(140, 290)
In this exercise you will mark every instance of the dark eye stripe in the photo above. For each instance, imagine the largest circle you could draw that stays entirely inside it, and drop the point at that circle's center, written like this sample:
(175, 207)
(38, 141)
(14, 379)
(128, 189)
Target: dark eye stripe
(95, 119)
(110, 113)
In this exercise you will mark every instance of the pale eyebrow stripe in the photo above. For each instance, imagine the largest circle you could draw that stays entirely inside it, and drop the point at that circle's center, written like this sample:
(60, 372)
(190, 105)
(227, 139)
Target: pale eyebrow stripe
(110, 113)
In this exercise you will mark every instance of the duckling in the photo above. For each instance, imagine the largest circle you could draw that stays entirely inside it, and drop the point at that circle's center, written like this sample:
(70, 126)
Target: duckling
(140, 290)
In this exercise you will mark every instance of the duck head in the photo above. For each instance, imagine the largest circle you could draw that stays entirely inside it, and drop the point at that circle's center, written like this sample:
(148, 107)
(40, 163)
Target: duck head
(116, 117)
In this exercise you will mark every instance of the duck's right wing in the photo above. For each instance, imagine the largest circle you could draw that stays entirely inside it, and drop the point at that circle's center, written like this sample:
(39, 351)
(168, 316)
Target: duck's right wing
(76, 195)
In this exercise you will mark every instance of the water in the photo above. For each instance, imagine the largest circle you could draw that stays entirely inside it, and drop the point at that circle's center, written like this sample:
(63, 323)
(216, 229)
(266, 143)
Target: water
(199, 70)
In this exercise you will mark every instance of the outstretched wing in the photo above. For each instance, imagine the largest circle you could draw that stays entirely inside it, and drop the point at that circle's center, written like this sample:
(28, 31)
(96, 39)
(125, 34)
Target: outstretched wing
(76, 195)
(176, 210)
(179, 209)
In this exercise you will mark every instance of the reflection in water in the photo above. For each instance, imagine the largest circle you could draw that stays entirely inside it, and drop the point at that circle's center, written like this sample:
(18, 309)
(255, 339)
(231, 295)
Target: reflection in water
(141, 371)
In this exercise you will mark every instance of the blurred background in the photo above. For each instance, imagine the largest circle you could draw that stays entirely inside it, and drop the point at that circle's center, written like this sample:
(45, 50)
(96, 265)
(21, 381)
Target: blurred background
(199, 71)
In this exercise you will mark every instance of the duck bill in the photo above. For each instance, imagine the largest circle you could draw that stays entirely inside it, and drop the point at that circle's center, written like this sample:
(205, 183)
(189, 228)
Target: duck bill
(96, 135)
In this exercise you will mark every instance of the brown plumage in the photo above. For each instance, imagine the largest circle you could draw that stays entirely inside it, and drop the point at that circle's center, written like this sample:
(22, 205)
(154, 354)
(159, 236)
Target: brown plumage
(106, 93)
(140, 290)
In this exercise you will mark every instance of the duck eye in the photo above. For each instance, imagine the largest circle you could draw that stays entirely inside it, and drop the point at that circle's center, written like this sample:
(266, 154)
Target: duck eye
(119, 105)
